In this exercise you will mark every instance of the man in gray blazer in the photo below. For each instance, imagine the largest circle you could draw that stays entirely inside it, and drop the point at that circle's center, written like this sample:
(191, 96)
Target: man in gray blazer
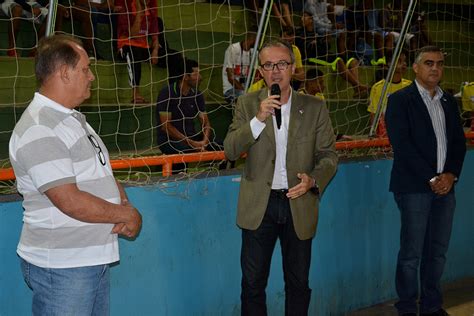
(286, 170)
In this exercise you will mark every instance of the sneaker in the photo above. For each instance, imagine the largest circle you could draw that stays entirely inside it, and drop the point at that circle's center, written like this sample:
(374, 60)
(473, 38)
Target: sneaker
(380, 61)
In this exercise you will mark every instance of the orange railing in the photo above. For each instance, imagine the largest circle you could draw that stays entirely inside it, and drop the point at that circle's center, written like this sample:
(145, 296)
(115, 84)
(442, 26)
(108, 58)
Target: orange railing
(167, 161)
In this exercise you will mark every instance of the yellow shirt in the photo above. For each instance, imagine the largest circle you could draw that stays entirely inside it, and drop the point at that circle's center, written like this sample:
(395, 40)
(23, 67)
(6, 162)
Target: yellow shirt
(376, 92)
(297, 53)
(467, 97)
(317, 95)
(257, 86)
(261, 83)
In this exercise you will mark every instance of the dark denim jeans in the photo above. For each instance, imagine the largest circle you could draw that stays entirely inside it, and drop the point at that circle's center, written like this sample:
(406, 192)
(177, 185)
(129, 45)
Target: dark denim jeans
(256, 256)
(426, 220)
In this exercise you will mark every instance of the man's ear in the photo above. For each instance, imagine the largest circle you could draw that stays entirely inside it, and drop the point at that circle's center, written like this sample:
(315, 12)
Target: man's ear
(64, 73)
(415, 68)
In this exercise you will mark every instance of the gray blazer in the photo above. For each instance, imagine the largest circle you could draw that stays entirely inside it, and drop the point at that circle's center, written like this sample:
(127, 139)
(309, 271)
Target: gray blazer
(310, 149)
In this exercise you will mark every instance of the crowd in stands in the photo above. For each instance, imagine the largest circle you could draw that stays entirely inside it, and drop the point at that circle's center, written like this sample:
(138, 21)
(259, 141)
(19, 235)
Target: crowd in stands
(329, 37)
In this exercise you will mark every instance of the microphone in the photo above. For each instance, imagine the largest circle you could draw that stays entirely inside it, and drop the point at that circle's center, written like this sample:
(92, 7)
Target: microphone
(275, 90)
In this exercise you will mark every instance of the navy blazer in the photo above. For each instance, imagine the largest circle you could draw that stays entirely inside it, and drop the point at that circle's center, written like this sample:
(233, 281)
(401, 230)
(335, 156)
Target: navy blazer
(413, 140)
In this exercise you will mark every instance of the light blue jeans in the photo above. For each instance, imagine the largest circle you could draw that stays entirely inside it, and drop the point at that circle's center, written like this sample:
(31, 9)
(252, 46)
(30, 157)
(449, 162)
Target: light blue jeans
(72, 291)
(232, 94)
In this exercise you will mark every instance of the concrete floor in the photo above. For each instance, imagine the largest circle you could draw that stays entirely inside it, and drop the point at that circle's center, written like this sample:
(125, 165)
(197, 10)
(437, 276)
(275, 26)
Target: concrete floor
(458, 301)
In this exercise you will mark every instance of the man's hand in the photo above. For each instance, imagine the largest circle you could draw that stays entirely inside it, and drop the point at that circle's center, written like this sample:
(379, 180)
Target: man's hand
(132, 226)
(304, 186)
(267, 107)
(443, 183)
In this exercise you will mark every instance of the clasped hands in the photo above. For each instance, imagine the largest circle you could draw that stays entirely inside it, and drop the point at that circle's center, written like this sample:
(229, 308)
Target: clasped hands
(132, 225)
(442, 184)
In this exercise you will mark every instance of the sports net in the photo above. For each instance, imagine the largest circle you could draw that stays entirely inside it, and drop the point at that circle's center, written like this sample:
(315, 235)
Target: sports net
(203, 31)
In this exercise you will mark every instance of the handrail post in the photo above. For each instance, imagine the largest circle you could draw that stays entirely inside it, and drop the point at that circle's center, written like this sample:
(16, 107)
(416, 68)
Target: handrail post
(391, 69)
(167, 168)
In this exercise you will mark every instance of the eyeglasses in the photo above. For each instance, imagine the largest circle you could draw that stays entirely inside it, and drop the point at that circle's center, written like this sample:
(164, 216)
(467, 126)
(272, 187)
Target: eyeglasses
(100, 153)
(281, 65)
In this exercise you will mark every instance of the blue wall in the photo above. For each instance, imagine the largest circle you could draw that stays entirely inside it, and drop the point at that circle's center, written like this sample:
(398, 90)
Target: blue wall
(186, 259)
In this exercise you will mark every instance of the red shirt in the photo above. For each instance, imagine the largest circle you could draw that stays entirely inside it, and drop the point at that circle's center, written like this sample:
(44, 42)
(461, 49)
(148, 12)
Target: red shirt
(126, 18)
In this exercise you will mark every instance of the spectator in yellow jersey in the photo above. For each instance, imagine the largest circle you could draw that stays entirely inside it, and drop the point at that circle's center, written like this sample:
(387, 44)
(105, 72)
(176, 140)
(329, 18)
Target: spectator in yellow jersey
(467, 97)
(398, 82)
(287, 34)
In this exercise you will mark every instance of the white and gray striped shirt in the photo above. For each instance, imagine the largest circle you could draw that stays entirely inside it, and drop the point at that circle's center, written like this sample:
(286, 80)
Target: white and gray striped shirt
(50, 147)
(435, 109)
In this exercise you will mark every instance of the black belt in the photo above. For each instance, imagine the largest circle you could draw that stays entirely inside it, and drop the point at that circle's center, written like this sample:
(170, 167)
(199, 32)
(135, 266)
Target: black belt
(280, 193)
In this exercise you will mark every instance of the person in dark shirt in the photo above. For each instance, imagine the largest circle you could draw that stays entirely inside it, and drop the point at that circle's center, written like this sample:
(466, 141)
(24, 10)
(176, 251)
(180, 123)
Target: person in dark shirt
(35, 12)
(177, 107)
(365, 37)
(315, 49)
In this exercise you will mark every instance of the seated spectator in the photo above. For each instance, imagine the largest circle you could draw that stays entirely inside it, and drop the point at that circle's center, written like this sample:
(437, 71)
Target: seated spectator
(252, 6)
(315, 49)
(235, 70)
(325, 24)
(177, 106)
(392, 22)
(19, 10)
(365, 36)
(287, 34)
(398, 82)
(15, 12)
(89, 13)
(314, 83)
(467, 97)
(280, 8)
(136, 23)
(419, 29)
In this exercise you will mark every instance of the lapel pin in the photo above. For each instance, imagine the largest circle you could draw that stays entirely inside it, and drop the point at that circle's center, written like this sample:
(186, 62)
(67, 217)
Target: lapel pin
(301, 111)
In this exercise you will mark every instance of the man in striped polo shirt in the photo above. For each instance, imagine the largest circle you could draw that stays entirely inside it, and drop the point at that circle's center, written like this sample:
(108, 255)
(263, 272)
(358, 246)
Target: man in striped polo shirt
(73, 206)
(424, 127)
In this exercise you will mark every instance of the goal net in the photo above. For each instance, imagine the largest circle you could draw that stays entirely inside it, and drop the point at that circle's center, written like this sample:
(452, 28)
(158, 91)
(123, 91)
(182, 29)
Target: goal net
(349, 57)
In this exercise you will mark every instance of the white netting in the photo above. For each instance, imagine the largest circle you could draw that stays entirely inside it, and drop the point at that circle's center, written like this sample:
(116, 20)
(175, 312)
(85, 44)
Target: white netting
(202, 32)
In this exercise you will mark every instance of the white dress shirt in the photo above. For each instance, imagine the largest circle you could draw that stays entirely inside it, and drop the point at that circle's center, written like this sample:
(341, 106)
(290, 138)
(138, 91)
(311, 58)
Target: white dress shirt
(435, 109)
(280, 179)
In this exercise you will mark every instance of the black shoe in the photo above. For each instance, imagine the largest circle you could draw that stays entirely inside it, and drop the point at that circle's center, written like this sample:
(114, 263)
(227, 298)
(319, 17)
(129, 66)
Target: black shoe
(439, 312)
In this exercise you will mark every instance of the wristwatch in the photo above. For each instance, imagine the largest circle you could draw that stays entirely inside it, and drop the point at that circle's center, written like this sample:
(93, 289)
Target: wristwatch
(315, 188)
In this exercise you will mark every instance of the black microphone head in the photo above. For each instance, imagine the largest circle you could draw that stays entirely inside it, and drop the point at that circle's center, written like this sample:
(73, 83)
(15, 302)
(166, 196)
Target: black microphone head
(275, 89)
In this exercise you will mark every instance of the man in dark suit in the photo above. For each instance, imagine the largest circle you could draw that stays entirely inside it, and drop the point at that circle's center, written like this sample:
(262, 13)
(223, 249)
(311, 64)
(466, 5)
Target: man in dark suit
(428, 142)
(286, 170)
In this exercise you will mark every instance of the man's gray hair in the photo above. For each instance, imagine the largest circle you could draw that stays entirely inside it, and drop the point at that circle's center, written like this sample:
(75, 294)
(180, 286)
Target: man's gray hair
(279, 43)
(54, 51)
(427, 49)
